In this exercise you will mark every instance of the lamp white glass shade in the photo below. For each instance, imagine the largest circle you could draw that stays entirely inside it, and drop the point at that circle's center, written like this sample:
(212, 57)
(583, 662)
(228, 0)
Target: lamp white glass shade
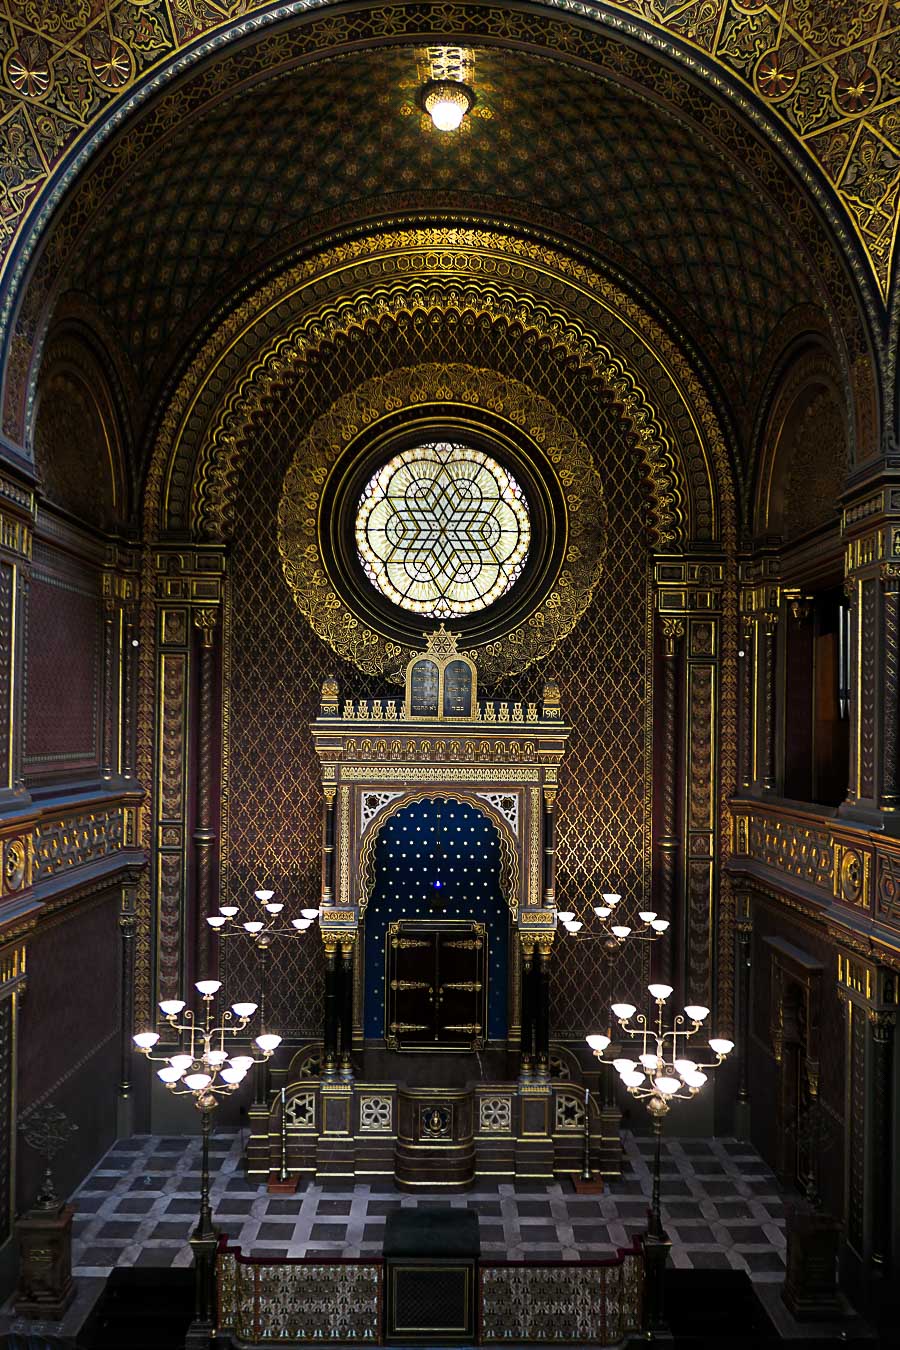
(274, 908)
(623, 1011)
(574, 926)
(146, 1039)
(228, 910)
(565, 915)
(233, 1076)
(647, 915)
(632, 1080)
(696, 1012)
(263, 896)
(301, 925)
(242, 1062)
(171, 1006)
(666, 1085)
(602, 911)
(659, 925)
(611, 897)
(649, 1060)
(208, 987)
(268, 1041)
(197, 1081)
(216, 1057)
(621, 930)
(243, 1009)
(685, 1066)
(694, 1078)
(721, 1047)
(181, 1062)
(623, 1066)
(597, 1042)
(216, 920)
(660, 991)
(310, 913)
(253, 925)
(447, 104)
(169, 1074)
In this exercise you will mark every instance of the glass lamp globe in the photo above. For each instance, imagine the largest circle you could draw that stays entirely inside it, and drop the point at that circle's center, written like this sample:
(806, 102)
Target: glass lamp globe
(447, 102)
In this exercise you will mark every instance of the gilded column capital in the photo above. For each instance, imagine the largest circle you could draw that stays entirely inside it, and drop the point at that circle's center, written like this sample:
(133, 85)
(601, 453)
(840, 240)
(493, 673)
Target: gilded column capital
(205, 621)
(890, 575)
(883, 1024)
(672, 632)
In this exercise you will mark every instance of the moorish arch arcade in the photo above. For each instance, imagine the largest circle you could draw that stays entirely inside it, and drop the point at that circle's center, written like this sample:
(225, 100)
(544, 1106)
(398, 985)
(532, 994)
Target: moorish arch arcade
(450, 622)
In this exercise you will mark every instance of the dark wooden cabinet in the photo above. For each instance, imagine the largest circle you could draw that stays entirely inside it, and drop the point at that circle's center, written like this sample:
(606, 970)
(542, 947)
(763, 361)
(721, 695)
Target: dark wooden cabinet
(436, 978)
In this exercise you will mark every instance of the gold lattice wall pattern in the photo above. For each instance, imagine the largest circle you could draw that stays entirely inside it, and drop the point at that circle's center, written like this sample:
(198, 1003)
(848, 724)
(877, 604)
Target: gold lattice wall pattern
(277, 665)
(825, 69)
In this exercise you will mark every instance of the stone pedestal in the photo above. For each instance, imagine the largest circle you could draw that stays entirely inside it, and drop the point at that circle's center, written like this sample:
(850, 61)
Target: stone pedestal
(45, 1287)
(810, 1287)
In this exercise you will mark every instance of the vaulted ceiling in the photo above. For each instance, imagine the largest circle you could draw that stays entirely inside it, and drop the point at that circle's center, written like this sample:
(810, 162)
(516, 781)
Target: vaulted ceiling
(298, 135)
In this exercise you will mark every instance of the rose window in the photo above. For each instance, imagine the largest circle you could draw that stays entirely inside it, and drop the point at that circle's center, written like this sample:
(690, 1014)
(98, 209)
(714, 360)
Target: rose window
(443, 530)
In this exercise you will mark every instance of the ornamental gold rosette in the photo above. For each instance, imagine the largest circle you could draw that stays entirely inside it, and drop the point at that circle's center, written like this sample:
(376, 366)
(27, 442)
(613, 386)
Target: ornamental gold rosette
(320, 498)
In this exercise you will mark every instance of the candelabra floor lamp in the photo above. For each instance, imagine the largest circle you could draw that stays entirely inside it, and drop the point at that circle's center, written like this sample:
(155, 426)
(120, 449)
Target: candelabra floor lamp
(661, 1075)
(613, 936)
(269, 923)
(205, 1069)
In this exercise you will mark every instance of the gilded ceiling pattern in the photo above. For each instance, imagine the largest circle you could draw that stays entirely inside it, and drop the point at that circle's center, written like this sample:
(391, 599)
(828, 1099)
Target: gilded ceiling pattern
(828, 70)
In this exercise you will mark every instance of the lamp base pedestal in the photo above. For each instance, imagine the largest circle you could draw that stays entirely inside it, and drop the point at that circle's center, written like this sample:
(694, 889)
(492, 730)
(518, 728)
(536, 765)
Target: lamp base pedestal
(585, 1186)
(810, 1290)
(45, 1287)
(278, 1186)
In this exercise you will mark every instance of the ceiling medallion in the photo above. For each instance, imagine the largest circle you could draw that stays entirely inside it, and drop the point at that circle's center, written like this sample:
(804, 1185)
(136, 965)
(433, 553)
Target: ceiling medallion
(345, 451)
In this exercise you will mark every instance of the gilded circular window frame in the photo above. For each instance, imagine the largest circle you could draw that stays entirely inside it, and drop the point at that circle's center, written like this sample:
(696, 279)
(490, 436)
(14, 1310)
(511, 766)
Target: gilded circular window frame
(353, 429)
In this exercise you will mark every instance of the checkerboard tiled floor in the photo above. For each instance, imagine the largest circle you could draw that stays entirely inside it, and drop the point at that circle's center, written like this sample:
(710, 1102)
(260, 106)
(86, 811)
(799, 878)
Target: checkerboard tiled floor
(721, 1206)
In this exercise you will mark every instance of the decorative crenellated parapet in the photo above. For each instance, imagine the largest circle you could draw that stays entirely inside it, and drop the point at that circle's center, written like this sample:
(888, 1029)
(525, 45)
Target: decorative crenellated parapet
(870, 525)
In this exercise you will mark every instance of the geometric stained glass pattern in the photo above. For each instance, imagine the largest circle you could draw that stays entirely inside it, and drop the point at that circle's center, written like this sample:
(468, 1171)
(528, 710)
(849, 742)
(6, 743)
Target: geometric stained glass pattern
(443, 530)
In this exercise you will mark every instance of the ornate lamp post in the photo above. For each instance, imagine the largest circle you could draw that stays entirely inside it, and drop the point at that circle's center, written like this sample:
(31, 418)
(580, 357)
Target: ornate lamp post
(205, 1069)
(662, 1074)
(261, 929)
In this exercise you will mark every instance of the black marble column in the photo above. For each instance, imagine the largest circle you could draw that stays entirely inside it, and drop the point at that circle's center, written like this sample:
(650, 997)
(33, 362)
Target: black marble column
(743, 929)
(769, 678)
(664, 903)
(332, 977)
(346, 1010)
(328, 847)
(882, 1180)
(549, 847)
(205, 621)
(542, 1011)
(526, 1062)
(124, 1111)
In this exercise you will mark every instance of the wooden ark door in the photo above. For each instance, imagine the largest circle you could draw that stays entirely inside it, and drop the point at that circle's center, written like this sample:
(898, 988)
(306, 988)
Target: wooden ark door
(436, 985)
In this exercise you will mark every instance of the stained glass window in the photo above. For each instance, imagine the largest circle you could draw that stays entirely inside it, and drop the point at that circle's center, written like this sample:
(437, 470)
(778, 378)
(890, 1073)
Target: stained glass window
(443, 530)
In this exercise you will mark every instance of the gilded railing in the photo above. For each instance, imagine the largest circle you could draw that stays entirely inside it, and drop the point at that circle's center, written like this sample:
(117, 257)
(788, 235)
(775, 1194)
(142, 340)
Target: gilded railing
(564, 1303)
(300, 1300)
(819, 856)
(295, 1301)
